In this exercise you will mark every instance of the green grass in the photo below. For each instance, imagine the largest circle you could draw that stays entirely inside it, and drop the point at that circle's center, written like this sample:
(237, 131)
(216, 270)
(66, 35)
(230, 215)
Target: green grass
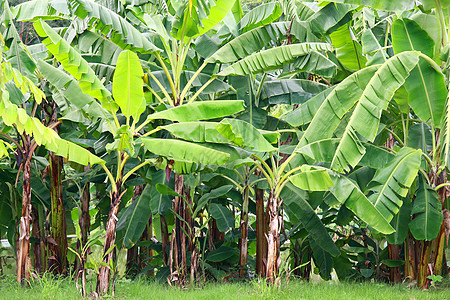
(46, 288)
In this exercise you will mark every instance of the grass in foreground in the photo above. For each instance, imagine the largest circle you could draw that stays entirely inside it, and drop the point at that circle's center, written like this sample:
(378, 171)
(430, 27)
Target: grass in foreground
(46, 288)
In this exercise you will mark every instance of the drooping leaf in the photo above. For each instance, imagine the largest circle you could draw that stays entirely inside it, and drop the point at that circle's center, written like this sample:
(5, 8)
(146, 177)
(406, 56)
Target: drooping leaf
(123, 34)
(348, 193)
(223, 216)
(289, 91)
(275, 58)
(213, 194)
(160, 204)
(420, 137)
(247, 43)
(374, 99)
(195, 18)
(348, 49)
(427, 210)
(199, 132)
(400, 224)
(243, 134)
(389, 5)
(260, 15)
(392, 182)
(300, 208)
(185, 151)
(197, 111)
(75, 65)
(221, 254)
(322, 259)
(329, 18)
(69, 87)
(312, 179)
(135, 218)
(43, 9)
(425, 85)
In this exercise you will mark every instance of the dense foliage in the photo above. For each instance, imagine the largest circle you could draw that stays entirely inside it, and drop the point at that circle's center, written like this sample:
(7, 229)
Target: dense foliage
(222, 140)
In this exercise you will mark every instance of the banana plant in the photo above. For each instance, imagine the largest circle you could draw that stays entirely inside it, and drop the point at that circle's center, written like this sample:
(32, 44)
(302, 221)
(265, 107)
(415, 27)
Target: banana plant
(33, 134)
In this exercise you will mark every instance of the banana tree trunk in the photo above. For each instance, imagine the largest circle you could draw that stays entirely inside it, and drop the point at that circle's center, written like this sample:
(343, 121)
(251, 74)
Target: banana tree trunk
(422, 268)
(38, 246)
(133, 262)
(58, 217)
(85, 219)
(394, 254)
(410, 258)
(23, 245)
(261, 242)
(104, 274)
(243, 243)
(164, 238)
(273, 238)
(179, 239)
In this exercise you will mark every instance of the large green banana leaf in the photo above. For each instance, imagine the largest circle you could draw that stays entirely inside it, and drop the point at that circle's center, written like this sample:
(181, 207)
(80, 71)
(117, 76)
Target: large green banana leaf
(306, 112)
(329, 18)
(184, 151)
(75, 65)
(274, 58)
(289, 91)
(128, 85)
(69, 87)
(135, 218)
(260, 15)
(199, 132)
(312, 178)
(123, 33)
(420, 137)
(335, 106)
(11, 115)
(323, 151)
(400, 223)
(43, 9)
(204, 110)
(196, 17)
(391, 183)
(223, 216)
(299, 209)
(390, 5)
(374, 99)
(348, 193)
(348, 49)
(425, 86)
(243, 134)
(248, 43)
(429, 4)
(160, 204)
(427, 210)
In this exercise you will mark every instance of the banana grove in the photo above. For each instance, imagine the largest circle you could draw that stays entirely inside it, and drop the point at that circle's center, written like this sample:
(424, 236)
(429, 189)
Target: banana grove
(220, 140)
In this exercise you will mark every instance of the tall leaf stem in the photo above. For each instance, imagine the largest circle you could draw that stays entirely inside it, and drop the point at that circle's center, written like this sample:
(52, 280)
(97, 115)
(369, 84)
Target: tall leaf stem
(166, 94)
(132, 171)
(201, 89)
(441, 21)
(188, 85)
(269, 170)
(152, 132)
(169, 78)
(110, 177)
(441, 186)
